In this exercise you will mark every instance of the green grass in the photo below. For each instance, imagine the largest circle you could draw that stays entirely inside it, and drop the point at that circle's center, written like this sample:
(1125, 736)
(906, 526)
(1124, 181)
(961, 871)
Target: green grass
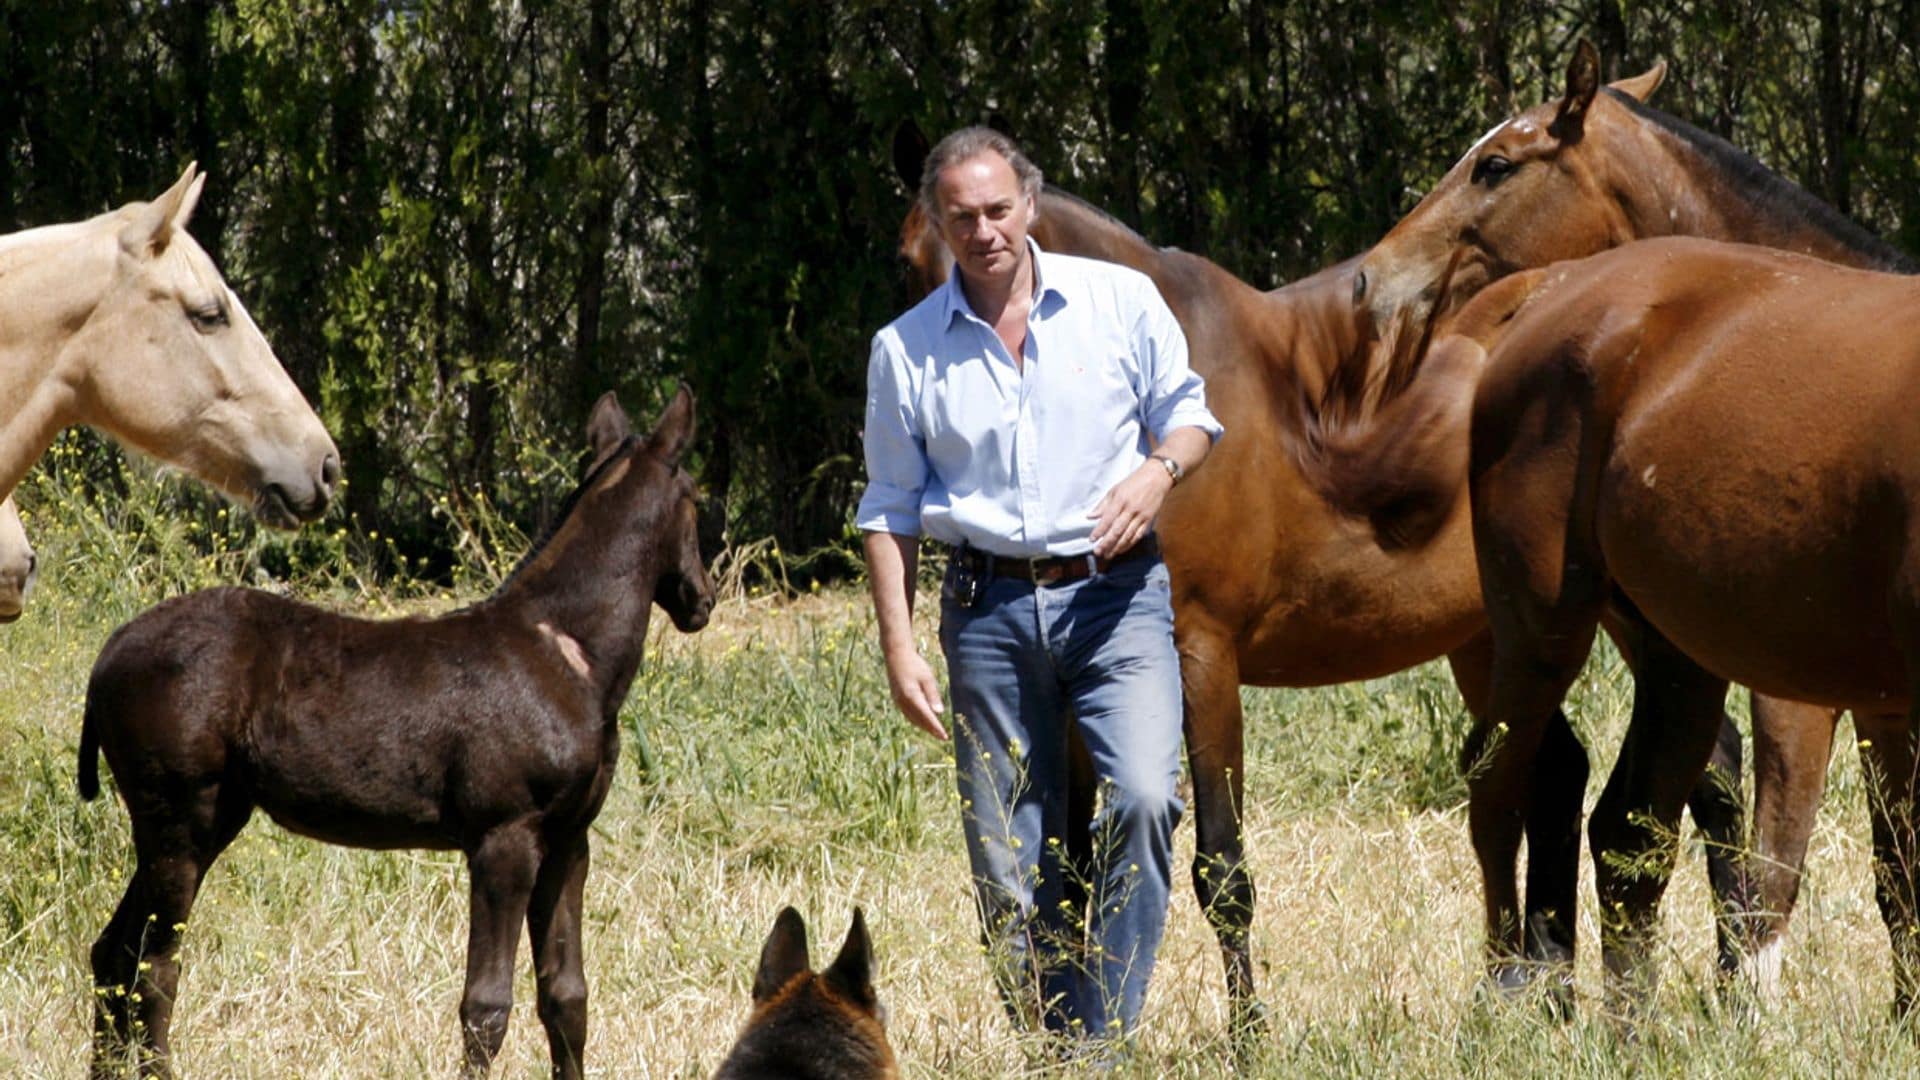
(765, 766)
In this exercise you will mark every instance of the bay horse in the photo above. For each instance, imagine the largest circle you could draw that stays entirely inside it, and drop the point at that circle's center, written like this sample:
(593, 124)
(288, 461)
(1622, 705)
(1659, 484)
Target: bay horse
(1594, 170)
(825, 1025)
(121, 322)
(492, 730)
(1713, 447)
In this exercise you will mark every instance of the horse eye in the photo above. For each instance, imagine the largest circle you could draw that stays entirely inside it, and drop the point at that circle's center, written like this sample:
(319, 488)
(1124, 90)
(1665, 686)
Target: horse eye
(208, 317)
(1491, 169)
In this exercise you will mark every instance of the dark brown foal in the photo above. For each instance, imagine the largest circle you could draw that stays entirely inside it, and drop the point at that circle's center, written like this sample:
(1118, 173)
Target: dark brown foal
(492, 730)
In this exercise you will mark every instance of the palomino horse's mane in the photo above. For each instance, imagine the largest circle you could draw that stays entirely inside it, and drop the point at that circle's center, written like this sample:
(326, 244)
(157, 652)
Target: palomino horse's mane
(1770, 192)
(567, 506)
(14, 243)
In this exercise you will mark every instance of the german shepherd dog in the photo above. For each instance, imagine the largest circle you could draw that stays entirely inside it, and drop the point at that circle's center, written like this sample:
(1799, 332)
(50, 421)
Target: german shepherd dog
(807, 1026)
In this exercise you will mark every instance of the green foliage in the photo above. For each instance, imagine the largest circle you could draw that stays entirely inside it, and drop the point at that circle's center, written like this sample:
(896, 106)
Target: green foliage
(460, 221)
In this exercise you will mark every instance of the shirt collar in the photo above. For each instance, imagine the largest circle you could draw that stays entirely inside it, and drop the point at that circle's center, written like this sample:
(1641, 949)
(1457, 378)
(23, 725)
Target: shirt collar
(1046, 297)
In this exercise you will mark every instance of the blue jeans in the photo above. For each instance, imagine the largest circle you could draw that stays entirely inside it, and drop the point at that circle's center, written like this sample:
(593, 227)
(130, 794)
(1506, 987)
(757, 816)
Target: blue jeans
(1023, 663)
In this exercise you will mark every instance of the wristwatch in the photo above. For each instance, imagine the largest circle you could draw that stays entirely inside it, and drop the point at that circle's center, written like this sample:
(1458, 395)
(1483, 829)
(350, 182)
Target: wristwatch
(1174, 471)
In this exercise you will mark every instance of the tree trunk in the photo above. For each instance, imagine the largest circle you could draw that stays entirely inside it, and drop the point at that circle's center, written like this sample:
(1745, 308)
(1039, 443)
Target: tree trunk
(598, 198)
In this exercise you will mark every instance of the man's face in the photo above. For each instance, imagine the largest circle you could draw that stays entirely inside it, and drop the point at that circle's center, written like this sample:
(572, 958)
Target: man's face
(983, 216)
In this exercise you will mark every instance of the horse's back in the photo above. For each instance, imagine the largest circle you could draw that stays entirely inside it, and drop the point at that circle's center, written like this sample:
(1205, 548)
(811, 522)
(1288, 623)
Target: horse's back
(1741, 416)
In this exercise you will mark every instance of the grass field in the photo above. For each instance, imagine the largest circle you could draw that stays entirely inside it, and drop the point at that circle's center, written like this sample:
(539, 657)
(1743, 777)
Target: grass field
(764, 766)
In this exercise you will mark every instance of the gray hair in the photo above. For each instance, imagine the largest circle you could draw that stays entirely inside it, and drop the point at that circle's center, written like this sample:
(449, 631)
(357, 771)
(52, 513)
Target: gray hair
(970, 142)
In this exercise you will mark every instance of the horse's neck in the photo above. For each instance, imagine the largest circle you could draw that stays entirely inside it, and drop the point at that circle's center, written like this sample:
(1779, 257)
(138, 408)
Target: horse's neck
(1067, 227)
(579, 587)
(1673, 187)
(50, 279)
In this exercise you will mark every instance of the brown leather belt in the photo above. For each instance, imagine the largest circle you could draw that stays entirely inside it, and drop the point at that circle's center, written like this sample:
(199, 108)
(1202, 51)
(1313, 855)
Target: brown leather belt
(1053, 569)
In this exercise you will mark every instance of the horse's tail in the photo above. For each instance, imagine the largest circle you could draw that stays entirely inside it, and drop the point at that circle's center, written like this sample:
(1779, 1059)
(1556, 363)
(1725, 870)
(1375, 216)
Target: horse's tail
(1403, 468)
(1401, 463)
(90, 752)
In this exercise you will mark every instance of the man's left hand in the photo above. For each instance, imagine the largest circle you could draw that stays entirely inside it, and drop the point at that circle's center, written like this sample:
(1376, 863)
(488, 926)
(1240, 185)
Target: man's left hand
(1126, 512)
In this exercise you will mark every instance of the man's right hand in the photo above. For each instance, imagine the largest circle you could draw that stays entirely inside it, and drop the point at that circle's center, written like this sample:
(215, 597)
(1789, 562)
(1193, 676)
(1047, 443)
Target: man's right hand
(916, 691)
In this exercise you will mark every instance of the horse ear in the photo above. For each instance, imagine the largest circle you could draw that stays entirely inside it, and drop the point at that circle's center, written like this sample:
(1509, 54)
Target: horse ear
(1583, 82)
(674, 432)
(851, 974)
(1642, 86)
(607, 427)
(910, 148)
(152, 229)
(783, 956)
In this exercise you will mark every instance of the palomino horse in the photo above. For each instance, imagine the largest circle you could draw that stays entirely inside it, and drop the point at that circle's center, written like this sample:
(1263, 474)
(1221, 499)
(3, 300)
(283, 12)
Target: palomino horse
(1713, 446)
(492, 731)
(121, 322)
(1564, 180)
(17, 562)
(1272, 585)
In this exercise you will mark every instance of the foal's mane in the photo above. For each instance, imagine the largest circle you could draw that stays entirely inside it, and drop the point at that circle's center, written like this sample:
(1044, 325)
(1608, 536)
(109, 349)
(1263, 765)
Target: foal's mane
(567, 506)
(1770, 192)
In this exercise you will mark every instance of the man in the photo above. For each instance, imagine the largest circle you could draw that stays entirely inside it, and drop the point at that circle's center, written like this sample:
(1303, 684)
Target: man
(1033, 413)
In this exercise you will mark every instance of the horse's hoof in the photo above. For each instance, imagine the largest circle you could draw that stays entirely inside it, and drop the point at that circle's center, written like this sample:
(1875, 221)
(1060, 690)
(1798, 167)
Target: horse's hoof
(1249, 1028)
(1513, 983)
(1507, 981)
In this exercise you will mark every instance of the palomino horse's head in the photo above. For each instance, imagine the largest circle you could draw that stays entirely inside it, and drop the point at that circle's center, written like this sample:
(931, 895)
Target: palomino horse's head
(174, 366)
(1534, 190)
(682, 587)
(17, 562)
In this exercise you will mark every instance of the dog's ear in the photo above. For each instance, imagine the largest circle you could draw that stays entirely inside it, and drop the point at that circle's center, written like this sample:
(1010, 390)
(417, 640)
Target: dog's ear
(783, 956)
(851, 975)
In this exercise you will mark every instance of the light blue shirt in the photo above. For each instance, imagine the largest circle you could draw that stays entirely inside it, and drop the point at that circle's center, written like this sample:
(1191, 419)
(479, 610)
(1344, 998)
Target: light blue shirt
(964, 446)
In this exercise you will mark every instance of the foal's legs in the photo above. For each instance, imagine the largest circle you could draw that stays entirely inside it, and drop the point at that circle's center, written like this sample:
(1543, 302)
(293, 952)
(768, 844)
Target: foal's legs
(136, 969)
(553, 922)
(1888, 755)
(1635, 826)
(502, 871)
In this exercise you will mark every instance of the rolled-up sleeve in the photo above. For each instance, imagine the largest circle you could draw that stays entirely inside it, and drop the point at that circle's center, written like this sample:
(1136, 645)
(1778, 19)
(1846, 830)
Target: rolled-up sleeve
(896, 454)
(1176, 396)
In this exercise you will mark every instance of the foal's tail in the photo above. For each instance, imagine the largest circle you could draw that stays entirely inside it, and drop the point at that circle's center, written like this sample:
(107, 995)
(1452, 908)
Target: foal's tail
(89, 753)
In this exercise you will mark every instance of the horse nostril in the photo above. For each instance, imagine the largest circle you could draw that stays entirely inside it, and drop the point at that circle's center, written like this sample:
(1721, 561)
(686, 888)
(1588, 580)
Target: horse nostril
(330, 471)
(33, 562)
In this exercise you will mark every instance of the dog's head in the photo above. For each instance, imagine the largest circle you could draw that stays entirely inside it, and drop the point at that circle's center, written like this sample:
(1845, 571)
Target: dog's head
(825, 1024)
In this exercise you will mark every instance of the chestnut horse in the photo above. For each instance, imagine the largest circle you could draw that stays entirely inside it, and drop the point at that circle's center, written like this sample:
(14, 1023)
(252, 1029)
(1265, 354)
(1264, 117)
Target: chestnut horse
(492, 730)
(1713, 446)
(121, 322)
(1566, 179)
(1280, 580)
(1273, 585)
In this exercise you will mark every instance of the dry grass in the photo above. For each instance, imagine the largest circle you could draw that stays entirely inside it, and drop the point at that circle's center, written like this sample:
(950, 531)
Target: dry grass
(774, 772)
